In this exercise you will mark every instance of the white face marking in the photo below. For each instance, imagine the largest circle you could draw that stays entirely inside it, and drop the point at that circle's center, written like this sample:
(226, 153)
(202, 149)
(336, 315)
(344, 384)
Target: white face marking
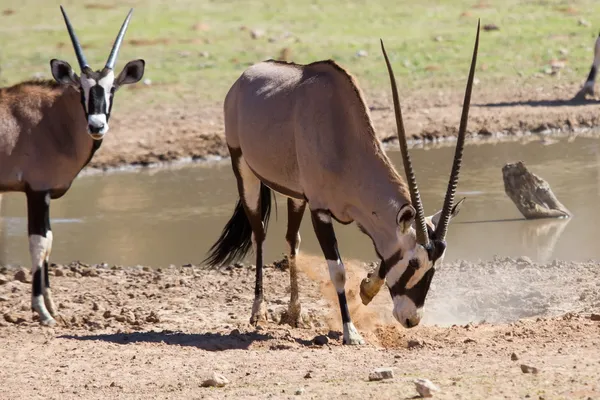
(251, 185)
(337, 273)
(107, 84)
(406, 312)
(86, 85)
(98, 121)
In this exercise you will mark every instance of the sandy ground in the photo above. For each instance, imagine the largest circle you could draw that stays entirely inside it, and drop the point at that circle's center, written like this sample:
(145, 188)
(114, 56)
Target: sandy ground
(140, 333)
(167, 132)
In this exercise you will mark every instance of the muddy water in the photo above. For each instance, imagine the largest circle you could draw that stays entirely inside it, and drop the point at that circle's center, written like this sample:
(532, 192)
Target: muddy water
(172, 216)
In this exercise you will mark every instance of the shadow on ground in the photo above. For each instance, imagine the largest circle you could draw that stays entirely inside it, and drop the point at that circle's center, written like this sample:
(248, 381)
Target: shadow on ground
(574, 102)
(205, 341)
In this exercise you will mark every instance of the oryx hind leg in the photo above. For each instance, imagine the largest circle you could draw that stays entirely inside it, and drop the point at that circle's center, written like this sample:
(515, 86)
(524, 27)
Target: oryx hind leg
(40, 242)
(296, 209)
(249, 188)
(324, 230)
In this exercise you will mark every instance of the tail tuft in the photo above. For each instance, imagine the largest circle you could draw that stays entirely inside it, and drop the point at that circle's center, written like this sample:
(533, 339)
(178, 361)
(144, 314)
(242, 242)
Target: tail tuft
(236, 238)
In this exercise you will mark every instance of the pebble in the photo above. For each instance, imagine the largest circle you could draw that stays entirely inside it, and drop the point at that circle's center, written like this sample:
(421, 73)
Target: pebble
(362, 53)
(308, 375)
(414, 343)
(13, 318)
(59, 272)
(321, 340)
(380, 374)
(514, 357)
(22, 275)
(526, 369)
(425, 387)
(595, 317)
(217, 380)
(299, 391)
(3, 280)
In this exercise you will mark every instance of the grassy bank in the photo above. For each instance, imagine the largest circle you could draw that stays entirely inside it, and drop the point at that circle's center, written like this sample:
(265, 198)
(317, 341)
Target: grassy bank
(196, 49)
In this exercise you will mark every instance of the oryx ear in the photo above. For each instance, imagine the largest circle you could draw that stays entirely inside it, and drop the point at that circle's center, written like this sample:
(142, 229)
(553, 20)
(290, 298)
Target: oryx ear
(132, 73)
(63, 73)
(405, 217)
(456, 208)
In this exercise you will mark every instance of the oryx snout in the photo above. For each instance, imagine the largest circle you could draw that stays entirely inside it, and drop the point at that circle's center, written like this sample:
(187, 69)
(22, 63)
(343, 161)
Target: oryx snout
(97, 126)
(406, 312)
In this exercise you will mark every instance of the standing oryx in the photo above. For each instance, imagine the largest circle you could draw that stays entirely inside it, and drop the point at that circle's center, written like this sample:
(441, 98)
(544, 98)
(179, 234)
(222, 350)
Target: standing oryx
(305, 131)
(588, 86)
(48, 132)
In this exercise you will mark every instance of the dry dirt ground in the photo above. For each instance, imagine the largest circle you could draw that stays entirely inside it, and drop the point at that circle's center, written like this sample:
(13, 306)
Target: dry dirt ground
(141, 333)
(192, 131)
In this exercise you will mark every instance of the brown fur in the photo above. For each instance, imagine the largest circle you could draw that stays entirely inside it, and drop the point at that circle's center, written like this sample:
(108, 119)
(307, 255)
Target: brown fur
(43, 136)
(307, 128)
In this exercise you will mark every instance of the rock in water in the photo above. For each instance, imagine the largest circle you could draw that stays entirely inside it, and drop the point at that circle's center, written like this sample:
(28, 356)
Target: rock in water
(380, 374)
(531, 194)
(217, 380)
(425, 387)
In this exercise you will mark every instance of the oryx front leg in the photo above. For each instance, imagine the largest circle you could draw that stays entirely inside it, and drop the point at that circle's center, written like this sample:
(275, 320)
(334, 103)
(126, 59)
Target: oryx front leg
(326, 236)
(40, 242)
(249, 188)
(295, 213)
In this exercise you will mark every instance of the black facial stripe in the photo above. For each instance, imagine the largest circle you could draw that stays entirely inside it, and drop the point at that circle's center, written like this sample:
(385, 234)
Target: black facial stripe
(112, 95)
(386, 265)
(419, 291)
(97, 101)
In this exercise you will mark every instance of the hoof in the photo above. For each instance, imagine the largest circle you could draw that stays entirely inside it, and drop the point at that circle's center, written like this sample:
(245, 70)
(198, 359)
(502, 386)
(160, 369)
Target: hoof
(48, 322)
(259, 313)
(351, 335)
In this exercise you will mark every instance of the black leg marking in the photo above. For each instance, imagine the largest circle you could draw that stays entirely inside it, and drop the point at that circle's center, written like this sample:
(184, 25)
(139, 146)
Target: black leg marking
(46, 277)
(295, 213)
(258, 217)
(294, 221)
(325, 234)
(592, 75)
(38, 224)
(37, 283)
(344, 307)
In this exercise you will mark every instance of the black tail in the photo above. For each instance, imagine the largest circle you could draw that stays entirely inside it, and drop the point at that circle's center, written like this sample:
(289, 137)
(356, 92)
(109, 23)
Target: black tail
(236, 239)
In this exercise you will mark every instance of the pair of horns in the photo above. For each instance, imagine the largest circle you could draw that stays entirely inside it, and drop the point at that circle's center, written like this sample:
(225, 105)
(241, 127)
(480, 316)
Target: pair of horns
(442, 227)
(112, 58)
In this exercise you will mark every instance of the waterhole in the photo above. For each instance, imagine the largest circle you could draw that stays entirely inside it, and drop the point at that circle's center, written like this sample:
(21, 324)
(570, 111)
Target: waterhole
(167, 216)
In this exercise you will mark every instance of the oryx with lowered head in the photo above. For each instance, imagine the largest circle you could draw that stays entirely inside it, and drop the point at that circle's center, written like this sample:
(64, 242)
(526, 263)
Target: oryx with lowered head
(48, 132)
(305, 132)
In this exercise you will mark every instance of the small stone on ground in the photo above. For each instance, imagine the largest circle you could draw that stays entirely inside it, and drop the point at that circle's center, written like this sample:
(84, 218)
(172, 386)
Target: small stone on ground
(380, 374)
(528, 369)
(425, 387)
(217, 380)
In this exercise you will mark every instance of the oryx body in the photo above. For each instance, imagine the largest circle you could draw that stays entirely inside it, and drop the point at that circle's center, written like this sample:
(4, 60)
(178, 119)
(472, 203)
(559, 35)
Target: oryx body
(48, 132)
(305, 132)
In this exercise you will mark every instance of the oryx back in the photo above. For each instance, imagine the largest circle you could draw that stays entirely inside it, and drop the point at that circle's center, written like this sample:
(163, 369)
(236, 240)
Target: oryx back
(300, 128)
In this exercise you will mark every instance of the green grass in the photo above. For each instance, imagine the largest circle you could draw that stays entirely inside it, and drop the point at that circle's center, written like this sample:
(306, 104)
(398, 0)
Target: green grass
(531, 34)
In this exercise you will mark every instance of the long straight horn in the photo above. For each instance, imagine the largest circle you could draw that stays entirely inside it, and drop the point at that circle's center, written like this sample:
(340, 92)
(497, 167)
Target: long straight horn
(415, 197)
(442, 228)
(112, 58)
(76, 45)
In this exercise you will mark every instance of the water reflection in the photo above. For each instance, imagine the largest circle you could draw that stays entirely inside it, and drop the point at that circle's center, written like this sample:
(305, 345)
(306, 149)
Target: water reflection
(158, 217)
